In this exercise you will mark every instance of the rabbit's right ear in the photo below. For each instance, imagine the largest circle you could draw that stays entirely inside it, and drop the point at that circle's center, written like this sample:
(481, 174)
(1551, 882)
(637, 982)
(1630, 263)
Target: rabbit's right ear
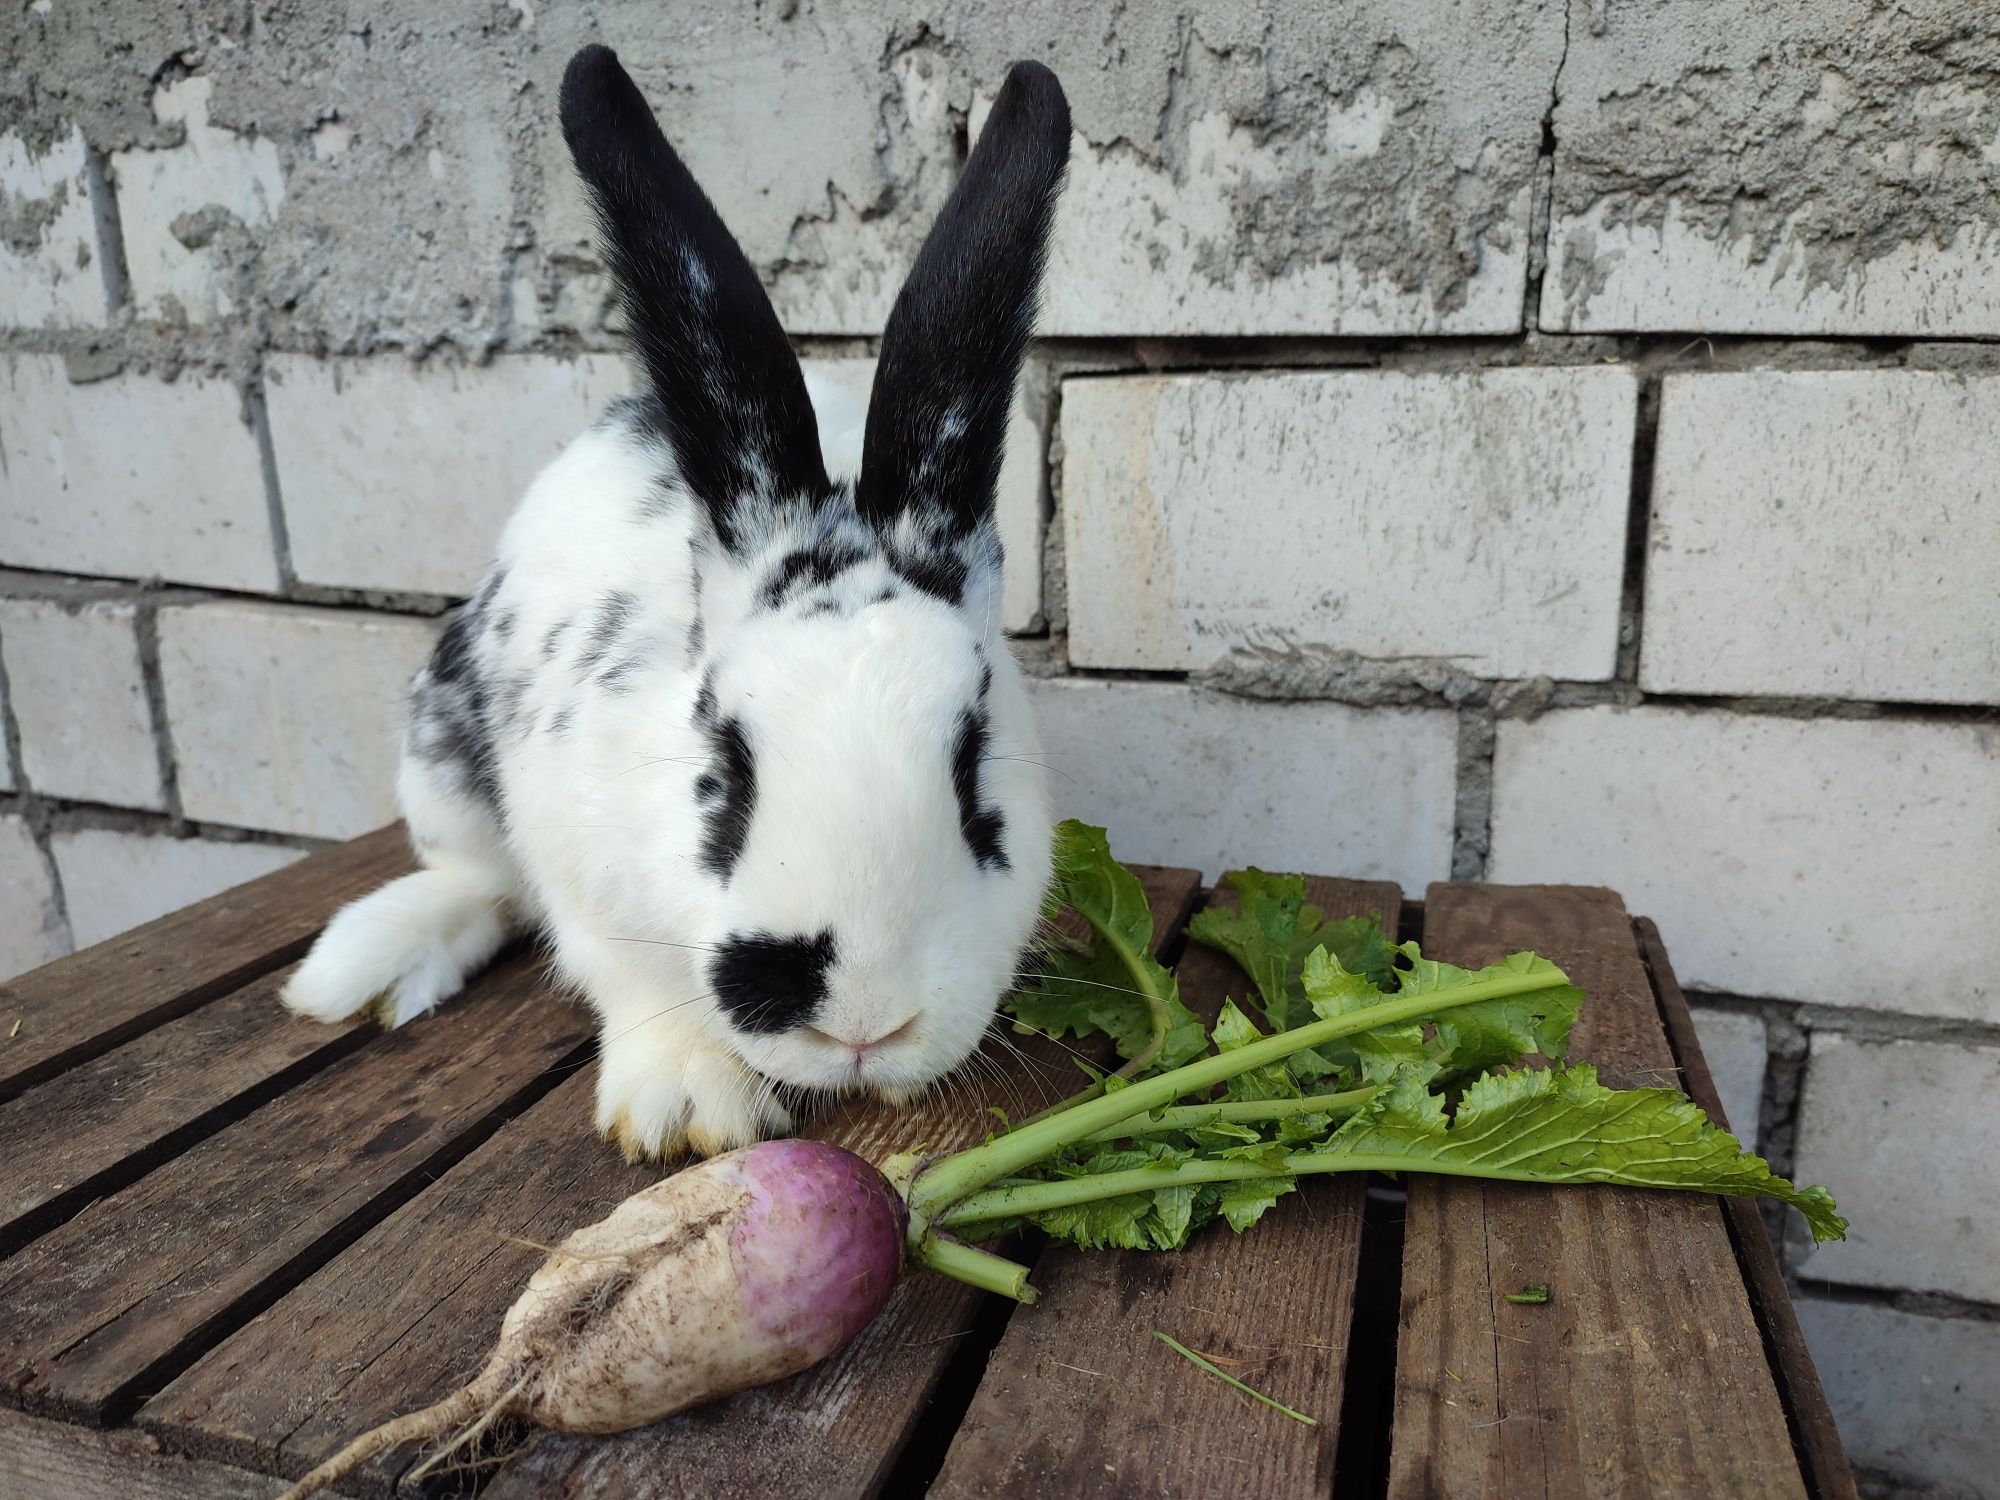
(724, 376)
(954, 342)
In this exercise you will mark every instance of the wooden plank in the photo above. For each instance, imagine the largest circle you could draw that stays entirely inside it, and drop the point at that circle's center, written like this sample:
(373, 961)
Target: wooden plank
(44, 1460)
(107, 1122)
(837, 1429)
(1079, 1398)
(90, 1002)
(118, 1300)
(1645, 1375)
(1813, 1432)
(408, 1310)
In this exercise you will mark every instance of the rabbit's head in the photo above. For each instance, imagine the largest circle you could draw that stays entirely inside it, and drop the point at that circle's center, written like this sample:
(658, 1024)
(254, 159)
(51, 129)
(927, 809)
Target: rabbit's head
(871, 822)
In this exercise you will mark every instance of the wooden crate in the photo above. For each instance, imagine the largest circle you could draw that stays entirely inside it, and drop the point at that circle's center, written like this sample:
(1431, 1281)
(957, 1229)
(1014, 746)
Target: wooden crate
(232, 1239)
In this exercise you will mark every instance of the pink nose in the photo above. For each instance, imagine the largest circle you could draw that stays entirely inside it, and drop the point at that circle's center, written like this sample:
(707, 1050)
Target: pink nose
(862, 1046)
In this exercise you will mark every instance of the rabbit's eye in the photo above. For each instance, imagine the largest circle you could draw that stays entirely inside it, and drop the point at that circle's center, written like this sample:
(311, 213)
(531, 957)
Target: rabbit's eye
(768, 984)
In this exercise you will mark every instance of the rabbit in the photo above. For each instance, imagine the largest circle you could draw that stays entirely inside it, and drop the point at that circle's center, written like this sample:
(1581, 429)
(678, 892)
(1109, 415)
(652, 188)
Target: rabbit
(741, 739)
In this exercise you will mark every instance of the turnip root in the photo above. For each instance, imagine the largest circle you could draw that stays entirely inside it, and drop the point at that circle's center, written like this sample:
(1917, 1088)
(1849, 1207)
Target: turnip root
(742, 1270)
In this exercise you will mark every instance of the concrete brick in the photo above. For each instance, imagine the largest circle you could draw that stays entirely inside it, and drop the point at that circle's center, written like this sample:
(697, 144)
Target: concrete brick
(131, 477)
(1735, 1044)
(1185, 777)
(1883, 1126)
(79, 696)
(1832, 534)
(1478, 516)
(1737, 167)
(115, 880)
(1781, 857)
(399, 476)
(31, 925)
(186, 209)
(1018, 502)
(52, 273)
(288, 719)
(1235, 170)
(1913, 1396)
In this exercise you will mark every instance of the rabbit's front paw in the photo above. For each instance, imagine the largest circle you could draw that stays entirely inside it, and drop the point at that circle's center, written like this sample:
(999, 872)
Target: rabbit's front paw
(657, 1100)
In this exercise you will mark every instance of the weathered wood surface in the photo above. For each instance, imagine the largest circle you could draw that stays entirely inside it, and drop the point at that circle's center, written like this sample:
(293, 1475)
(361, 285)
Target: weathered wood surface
(88, 1003)
(137, 1285)
(1080, 1399)
(289, 1232)
(45, 1460)
(1827, 1473)
(838, 1429)
(1644, 1375)
(406, 1312)
(107, 1122)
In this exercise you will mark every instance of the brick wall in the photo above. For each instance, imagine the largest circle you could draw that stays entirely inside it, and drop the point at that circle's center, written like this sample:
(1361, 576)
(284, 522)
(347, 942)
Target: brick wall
(1528, 442)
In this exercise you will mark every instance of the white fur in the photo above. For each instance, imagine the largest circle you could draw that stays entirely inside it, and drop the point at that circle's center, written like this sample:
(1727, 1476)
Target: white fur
(857, 830)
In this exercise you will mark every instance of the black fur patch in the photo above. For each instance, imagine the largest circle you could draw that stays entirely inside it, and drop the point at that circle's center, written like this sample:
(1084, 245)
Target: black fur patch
(939, 574)
(809, 568)
(552, 642)
(727, 790)
(614, 612)
(559, 721)
(768, 984)
(980, 826)
(449, 709)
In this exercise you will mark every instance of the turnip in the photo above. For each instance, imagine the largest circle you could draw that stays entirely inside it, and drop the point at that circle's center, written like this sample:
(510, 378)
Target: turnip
(744, 1269)
(754, 1265)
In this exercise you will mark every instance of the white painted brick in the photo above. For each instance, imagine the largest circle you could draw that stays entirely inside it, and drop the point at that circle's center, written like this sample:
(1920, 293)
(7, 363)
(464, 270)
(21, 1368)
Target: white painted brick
(1735, 1046)
(8, 778)
(1852, 862)
(54, 276)
(114, 881)
(1610, 271)
(288, 719)
(1737, 167)
(1913, 1396)
(1142, 249)
(131, 477)
(1018, 498)
(1477, 516)
(1890, 1128)
(80, 698)
(31, 924)
(178, 276)
(1186, 777)
(1829, 533)
(400, 476)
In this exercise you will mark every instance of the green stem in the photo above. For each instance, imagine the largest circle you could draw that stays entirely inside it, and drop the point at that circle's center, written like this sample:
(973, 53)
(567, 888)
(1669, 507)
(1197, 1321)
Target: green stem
(1156, 1007)
(976, 1267)
(1019, 1199)
(953, 1178)
(1235, 1112)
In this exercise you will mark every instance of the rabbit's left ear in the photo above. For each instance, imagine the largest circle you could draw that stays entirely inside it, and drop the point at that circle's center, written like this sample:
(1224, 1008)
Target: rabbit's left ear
(724, 379)
(954, 342)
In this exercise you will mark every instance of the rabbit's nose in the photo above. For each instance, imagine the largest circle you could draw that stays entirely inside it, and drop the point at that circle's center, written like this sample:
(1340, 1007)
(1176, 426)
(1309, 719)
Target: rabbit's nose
(862, 1046)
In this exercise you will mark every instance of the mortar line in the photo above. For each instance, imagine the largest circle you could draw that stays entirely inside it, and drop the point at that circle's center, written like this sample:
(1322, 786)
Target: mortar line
(267, 463)
(146, 627)
(1638, 529)
(1472, 796)
(28, 805)
(1944, 1306)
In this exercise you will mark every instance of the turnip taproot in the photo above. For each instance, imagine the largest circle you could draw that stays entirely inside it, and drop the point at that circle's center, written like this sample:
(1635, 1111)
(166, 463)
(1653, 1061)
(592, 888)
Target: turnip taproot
(744, 1269)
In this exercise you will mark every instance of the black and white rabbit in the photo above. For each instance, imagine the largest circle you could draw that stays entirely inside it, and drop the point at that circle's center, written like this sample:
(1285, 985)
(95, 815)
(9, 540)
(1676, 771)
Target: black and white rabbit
(741, 739)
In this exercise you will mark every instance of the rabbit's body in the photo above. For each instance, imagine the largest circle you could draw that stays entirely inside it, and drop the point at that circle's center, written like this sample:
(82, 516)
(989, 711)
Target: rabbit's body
(741, 739)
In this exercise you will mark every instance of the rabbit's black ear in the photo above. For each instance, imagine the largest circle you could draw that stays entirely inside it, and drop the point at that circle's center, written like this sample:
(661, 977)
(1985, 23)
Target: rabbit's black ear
(729, 388)
(954, 342)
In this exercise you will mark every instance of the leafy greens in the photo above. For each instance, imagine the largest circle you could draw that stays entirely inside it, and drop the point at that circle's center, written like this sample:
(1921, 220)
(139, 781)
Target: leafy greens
(1441, 1088)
